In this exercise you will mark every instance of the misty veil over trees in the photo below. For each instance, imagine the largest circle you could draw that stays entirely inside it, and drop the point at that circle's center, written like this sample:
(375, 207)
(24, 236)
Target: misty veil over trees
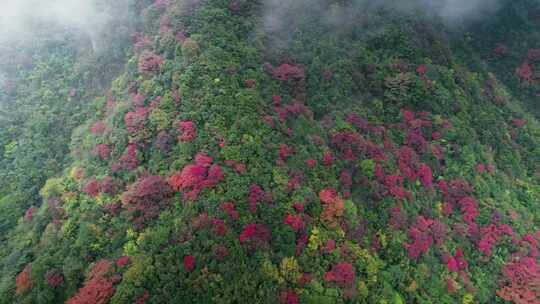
(270, 151)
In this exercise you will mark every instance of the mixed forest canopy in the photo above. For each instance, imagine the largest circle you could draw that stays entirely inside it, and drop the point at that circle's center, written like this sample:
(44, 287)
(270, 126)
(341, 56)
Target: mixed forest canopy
(270, 151)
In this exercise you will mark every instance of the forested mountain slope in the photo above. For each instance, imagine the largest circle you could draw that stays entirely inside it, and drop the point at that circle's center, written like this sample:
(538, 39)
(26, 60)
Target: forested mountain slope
(277, 151)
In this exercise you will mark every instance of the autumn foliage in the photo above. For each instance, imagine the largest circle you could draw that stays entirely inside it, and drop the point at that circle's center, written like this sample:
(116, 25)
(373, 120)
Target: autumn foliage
(333, 206)
(24, 280)
(149, 62)
(342, 274)
(99, 285)
(194, 178)
(521, 281)
(145, 199)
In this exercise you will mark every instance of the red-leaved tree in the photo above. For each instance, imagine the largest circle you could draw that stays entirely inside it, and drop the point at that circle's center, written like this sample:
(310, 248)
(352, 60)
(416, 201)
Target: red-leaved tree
(145, 199)
(23, 280)
(99, 285)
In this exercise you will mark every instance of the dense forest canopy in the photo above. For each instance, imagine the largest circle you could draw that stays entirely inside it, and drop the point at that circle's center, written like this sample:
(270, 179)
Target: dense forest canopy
(270, 151)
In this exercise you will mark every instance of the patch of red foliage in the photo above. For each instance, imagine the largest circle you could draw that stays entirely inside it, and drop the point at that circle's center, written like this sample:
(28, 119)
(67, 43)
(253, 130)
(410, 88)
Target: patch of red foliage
(328, 159)
(196, 177)
(416, 139)
(250, 83)
(301, 243)
(394, 185)
(23, 280)
(349, 144)
(288, 297)
(425, 175)
(128, 161)
(109, 186)
(29, 215)
(189, 263)
(469, 208)
(235, 6)
(98, 128)
(358, 122)
(329, 247)
(268, 120)
(481, 169)
(92, 188)
(421, 236)
(333, 206)
(285, 152)
(311, 163)
(519, 123)
(54, 278)
(286, 72)
(145, 199)
(135, 121)
(398, 219)
(296, 179)
(525, 72)
(299, 207)
(533, 54)
(293, 110)
(99, 285)
(530, 245)
(491, 236)
(256, 195)
(294, 221)
(407, 160)
(219, 228)
(202, 221)
(149, 62)
(455, 190)
(437, 152)
(140, 41)
(346, 182)
(188, 131)
(106, 185)
(342, 274)
(256, 235)
(138, 100)
(439, 231)
(455, 263)
(101, 151)
(230, 209)
(122, 261)
(221, 253)
(142, 299)
(421, 70)
(163, 142)
(521, 283)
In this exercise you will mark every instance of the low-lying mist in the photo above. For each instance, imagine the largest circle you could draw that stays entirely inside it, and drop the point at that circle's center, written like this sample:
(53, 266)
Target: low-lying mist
(92, 27)
(281, 15)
